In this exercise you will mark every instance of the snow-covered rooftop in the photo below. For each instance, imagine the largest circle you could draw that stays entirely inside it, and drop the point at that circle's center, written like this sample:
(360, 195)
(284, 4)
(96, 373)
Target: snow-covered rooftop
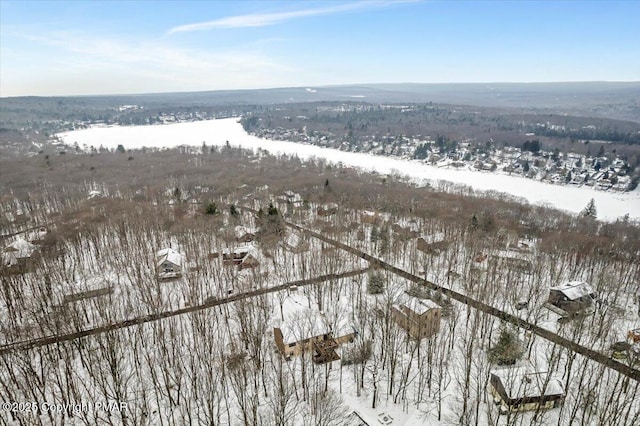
(417, 305)
(574, 289)
(245, 248)
(438, 237)
(520, 383)
(169, 255)
(294, 240)
(408, 224)
(511, 254)
(302, 321)
(19, 249)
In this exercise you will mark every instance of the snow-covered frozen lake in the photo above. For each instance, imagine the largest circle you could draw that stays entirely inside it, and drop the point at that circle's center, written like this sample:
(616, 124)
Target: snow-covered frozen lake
(217, 132)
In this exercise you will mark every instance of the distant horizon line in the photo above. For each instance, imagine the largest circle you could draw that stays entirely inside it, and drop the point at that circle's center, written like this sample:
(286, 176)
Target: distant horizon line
(105, 95)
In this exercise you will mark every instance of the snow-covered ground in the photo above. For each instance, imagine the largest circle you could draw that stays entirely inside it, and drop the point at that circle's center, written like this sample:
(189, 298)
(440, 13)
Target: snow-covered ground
(610, 205)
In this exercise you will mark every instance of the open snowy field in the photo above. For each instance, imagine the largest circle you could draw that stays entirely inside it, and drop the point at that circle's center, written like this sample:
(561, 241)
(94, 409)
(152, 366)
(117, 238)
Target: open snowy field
(217, 132)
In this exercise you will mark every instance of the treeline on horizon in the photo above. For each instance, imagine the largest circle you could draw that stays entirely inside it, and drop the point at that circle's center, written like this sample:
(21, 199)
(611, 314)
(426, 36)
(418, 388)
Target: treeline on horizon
(355, 120)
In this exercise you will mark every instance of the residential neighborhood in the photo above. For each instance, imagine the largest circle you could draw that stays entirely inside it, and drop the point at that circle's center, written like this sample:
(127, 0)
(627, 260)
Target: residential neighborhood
(595, 170)
(340, 295)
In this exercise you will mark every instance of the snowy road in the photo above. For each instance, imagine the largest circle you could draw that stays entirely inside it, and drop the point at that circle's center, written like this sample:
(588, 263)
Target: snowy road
(49, 340)
(483, 307)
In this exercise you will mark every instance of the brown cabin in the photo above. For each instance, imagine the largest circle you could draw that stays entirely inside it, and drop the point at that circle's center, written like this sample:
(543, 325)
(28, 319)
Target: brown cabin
(420, 317)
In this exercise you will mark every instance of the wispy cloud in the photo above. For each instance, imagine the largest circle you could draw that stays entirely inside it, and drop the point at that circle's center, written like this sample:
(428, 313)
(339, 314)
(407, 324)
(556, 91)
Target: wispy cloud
(149, 53)
(129, 66)
(265, 19)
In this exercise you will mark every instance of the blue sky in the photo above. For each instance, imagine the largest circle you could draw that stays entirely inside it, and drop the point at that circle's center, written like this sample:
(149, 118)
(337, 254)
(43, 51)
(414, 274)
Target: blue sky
(93, 47)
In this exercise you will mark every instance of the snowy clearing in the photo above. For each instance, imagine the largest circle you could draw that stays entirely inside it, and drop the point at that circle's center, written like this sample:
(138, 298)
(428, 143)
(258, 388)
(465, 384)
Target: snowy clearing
(218, 132)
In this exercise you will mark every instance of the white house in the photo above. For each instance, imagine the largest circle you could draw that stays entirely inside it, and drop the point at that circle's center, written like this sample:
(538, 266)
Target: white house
(169, 263)
(17, 252)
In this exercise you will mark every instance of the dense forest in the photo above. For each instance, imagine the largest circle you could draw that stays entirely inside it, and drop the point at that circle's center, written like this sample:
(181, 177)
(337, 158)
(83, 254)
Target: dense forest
(200, 348)
(262, 242)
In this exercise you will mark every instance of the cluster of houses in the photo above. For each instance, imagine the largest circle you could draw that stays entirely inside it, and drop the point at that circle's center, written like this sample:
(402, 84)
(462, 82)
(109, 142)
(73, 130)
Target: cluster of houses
(170, 263)
(524, 389)
(573, 169)
(305, 329)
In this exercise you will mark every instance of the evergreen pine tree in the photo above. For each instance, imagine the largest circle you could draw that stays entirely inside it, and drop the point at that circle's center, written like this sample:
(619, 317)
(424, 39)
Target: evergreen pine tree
(212, 208)
(474, 222)
(507, 350)
(376, 283)
(590, 210)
